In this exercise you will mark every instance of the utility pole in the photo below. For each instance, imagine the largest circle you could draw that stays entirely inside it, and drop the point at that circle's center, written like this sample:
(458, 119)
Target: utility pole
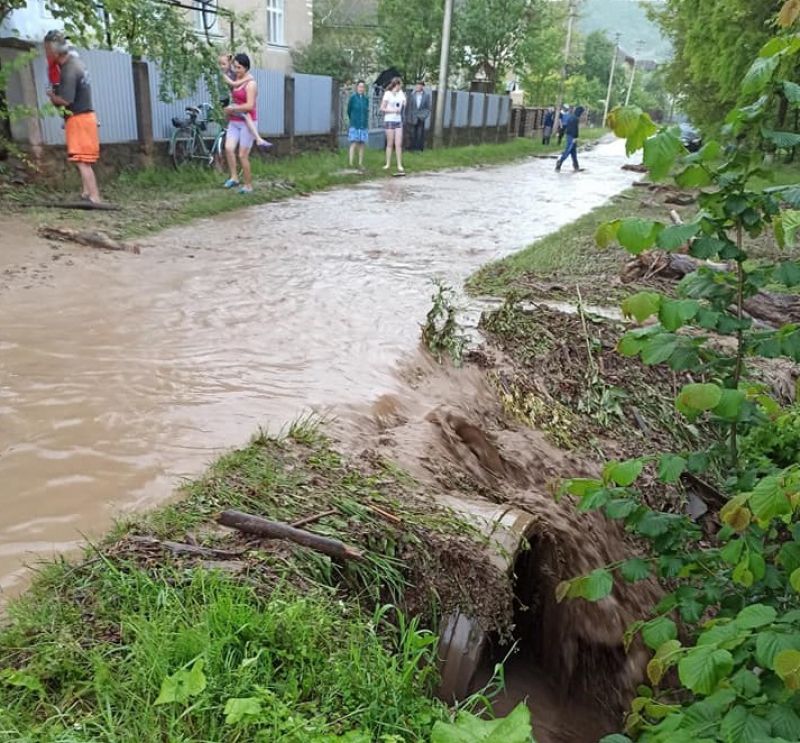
(564, 70)
(611, 79)
(633, 72)
(441, 96)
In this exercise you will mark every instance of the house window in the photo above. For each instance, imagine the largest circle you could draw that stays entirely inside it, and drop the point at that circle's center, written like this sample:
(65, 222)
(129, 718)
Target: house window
(206, 19)
(275, 22)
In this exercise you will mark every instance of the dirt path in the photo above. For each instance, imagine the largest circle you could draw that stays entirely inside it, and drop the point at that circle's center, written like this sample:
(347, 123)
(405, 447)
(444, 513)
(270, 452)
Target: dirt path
(120, 374)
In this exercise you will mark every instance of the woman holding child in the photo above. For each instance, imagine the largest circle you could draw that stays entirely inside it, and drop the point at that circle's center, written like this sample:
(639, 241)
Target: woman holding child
(242, 132)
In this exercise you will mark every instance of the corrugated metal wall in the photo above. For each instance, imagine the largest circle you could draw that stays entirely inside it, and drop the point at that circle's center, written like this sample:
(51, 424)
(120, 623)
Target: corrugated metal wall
(478, 100)
(270, 100)
(112, 95)
(312, 104)
(492, 109)
(462, 108)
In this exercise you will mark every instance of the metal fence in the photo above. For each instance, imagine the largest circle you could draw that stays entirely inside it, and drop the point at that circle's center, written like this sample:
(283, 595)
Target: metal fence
(112, 94)
(114, 102)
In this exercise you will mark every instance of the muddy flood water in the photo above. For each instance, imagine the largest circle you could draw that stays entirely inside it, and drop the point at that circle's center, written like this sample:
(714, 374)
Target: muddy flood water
(121, 374)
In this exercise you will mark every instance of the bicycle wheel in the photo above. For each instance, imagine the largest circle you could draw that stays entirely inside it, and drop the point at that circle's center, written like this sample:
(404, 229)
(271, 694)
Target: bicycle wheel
(182, 147)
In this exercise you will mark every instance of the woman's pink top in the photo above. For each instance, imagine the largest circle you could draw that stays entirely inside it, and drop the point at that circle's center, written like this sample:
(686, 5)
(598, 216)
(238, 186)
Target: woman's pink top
(239, 97)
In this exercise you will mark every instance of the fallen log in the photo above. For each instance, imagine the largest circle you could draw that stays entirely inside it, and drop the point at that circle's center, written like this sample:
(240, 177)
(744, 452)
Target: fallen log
(90, 238)
(250, 524)
(770, 308)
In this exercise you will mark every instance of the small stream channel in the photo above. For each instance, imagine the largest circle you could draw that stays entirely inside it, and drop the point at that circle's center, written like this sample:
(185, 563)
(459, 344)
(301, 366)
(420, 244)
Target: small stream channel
(121, 374)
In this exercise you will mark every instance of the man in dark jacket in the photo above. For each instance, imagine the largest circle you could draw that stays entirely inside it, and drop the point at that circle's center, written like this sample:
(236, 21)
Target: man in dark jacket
(572, 132)
(418, 112)
(547, 125)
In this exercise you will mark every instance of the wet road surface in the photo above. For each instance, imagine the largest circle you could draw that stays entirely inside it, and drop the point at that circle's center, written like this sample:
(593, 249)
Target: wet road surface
(122, 374)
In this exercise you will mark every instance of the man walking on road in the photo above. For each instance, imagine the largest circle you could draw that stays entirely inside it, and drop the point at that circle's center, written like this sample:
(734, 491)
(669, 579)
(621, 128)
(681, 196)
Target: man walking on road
(572, 132)
(419, 111)
(74, 94)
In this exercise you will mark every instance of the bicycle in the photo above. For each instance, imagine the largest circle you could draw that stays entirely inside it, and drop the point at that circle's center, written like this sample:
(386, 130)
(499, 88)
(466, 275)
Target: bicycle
(188, 142)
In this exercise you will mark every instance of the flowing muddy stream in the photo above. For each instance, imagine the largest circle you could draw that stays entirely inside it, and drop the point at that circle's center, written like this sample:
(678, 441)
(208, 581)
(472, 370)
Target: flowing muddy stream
(121, 374)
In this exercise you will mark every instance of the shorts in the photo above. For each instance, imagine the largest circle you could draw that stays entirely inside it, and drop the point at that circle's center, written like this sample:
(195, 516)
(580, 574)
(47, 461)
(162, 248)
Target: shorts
(83, 140)
(358, 135)
(392, 124)
(238, 133)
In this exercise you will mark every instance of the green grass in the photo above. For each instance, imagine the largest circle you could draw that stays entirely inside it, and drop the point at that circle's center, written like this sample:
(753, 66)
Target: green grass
(155, 198)
(314, 647)
(308, 668)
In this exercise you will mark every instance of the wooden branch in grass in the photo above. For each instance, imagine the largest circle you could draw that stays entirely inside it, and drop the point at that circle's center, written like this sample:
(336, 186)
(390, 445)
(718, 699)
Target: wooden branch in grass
(179, 548)
(250, 524)
(313, 518)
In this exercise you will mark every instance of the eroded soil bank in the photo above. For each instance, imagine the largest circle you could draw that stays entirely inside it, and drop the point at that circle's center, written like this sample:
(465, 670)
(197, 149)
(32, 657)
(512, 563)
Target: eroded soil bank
(120, 373)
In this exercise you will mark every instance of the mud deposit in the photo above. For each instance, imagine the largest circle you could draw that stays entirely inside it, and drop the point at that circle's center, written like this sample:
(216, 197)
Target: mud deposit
(122, 374)
(448, 429)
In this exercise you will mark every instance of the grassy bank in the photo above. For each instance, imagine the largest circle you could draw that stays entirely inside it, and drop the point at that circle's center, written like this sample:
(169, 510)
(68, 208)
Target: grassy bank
(246, 639)
(152, 199)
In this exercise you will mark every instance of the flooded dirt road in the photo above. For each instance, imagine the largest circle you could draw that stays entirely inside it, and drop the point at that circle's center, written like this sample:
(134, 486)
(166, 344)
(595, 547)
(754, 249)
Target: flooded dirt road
(121, 374)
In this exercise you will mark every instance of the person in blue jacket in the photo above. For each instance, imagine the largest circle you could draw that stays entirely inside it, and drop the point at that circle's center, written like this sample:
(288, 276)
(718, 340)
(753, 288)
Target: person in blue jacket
(547, 125)
(358, 114)
(572, 132)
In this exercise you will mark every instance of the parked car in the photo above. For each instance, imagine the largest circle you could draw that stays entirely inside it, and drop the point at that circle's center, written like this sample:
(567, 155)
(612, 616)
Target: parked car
(691, 138)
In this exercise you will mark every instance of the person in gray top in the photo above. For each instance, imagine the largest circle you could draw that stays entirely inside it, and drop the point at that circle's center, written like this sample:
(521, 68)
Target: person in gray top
(418, 112)
(74, 95)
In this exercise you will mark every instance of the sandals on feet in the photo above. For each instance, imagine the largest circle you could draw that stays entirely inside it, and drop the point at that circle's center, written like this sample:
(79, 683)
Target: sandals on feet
(230, 183)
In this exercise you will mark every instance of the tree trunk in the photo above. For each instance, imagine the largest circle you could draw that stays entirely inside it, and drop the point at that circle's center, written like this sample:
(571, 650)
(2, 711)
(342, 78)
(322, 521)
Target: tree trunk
(768, 307)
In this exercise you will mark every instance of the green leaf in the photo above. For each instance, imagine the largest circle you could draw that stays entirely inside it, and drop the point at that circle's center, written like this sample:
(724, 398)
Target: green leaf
(183, 684)
(672, 238)
(741, 726)
(674, 313)
(641, 305)
(625, 120)
(694, 176)
(769, 499)
(732, 551)
(705, 248)
(670, 468)
(620, 508)
(727, 635)
(661, 151)
(607, 233)
(635, 569)
(787, 663)
(790, 226)
(702, 668)
(22, 679)
(756, 615)
(787, 273)
(659, 349)
(242, 709)
(759, 75)
(467, 728)
(792, 92)
(730, 404)
(698, 396)
(794, 580)
(746, 683)
(630, 344)
(623, 473)
(599, 584)
(769, 643)
(615, 738)
(638, 235)
(784, 721)
(782, 140)
(658, 631)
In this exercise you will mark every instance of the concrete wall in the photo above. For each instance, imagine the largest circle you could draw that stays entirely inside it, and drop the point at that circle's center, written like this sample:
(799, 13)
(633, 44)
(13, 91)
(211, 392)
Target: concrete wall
(298, 30)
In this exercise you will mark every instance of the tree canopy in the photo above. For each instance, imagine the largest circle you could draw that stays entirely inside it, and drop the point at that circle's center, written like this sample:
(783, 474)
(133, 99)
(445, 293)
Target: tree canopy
(714, 42)
(409, 33)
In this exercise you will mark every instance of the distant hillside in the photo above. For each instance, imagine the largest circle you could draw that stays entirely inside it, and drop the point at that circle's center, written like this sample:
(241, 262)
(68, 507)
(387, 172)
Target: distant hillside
(627, 17)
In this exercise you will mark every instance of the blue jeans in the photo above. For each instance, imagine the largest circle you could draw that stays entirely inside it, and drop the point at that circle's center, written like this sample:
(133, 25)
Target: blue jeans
(571, 150)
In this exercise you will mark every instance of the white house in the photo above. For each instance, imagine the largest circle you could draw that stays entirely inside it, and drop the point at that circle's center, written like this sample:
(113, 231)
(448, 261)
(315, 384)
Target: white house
(30, 23)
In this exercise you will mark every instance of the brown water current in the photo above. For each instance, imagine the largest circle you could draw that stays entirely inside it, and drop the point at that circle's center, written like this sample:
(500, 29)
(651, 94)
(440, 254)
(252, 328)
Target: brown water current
(122, 374)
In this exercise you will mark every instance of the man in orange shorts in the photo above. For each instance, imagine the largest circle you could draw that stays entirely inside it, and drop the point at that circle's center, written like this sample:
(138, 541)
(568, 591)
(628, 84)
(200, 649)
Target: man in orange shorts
(74, 94)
